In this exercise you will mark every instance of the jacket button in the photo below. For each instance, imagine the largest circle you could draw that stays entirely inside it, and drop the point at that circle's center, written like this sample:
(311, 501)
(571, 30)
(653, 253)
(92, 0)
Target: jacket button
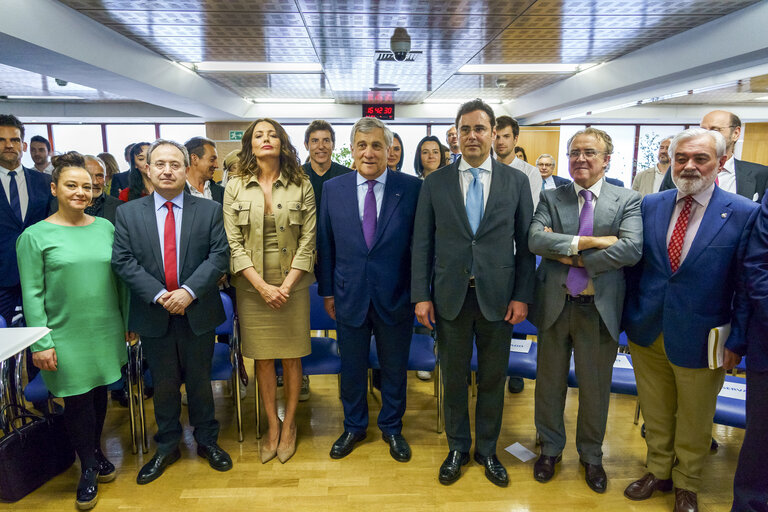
(282, 228)
(474, 242)
(284, 250)
(286, 272)
(279, 205)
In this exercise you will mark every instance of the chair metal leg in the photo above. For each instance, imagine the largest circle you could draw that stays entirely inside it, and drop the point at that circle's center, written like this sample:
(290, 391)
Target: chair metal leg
(236, 395)
(439, 390)
(257, 401)
(131, 410)
(370, 381)
(140, 397)
(637, 411)
(474, 384)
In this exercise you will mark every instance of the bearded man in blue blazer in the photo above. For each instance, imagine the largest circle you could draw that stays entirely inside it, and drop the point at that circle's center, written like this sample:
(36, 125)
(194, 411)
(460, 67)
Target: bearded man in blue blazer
(689, 281)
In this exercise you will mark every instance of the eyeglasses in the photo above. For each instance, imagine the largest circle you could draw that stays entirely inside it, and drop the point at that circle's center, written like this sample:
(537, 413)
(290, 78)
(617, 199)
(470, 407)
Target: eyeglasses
(588, 153)
(547, 165)
(160, 165)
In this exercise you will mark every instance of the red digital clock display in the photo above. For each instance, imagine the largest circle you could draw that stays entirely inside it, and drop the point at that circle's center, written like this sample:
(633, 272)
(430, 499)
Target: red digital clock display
(385, 112)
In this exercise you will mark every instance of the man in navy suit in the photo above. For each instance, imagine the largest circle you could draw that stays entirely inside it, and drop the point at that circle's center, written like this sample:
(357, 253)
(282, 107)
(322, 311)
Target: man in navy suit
(26, 195)
(546, 165)
(750, 486)
(365, 229)
(170, 249)
(747, 179)
(688, 281)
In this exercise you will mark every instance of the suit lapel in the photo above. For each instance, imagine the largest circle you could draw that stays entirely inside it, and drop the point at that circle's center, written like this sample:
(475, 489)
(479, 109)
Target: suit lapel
(498, 180)
(606, 207)
(351, 210)
(746, 184)
(187, 221)
(715, 216)
(5, 208)
(392, 194)
(568, 209)
(455, 198)
(660, 224)
(150, 225)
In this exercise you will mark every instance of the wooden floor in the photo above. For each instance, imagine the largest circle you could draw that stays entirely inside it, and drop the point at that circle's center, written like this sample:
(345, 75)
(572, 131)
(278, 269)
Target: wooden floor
(369, 479)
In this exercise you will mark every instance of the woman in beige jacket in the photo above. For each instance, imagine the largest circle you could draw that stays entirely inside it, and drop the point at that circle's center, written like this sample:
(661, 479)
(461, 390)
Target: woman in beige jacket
(269, 216)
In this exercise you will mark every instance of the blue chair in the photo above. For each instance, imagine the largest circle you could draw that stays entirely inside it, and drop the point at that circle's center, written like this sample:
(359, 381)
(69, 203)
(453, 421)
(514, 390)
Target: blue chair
(324, 358)
(732, 411)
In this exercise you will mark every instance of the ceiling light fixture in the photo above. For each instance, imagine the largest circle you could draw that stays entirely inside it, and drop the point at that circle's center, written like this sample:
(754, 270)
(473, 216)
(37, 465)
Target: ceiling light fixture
(506, 69)
(257, 67)
(455, 101)
(46, 98)
(293, 100)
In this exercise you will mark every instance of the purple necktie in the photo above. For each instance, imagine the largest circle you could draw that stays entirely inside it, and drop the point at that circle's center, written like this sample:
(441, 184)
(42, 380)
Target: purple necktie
(369, 215)
(577, 276)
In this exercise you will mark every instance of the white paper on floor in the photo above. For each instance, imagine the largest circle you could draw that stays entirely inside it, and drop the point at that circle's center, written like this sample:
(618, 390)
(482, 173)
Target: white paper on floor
(521, 452)
(522, 346)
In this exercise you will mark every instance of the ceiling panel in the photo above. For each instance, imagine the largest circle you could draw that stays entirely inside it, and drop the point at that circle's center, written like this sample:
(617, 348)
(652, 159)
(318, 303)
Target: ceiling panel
(19, 82)
(496, 7)
(637, 8)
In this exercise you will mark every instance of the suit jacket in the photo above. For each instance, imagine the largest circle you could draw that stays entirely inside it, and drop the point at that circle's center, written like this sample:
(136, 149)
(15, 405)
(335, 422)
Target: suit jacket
(614, 182)
(203, 259)
(751, 179)
(118, 183)
(756, 279)
(217, 191)
(444, 248)
(560, 181)
(39, 194)
(355, 275)
(617, 213)
(644, 181)
(706, 291)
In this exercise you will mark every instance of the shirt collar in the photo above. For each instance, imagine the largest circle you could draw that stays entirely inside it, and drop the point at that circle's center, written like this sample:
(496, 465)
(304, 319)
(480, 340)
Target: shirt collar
(361, 180)
(19, 170)
(177, 201)
(702, 197)
(730, 165)
(206, 185)
(485, 166)
(595, 189)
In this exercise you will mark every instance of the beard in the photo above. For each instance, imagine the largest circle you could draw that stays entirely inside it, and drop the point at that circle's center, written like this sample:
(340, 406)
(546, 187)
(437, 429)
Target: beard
(692, 182)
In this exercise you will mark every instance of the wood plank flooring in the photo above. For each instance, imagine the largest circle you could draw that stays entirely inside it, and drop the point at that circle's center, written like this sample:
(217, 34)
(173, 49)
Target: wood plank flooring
(369, 479)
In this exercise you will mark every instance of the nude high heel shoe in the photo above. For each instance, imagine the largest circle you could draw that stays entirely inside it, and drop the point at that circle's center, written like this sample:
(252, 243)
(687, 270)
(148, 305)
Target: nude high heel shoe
(267, 453)
(286, 450)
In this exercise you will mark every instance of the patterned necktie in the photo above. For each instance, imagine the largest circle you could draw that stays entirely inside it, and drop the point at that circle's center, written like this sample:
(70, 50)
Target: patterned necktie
(369, 215)
(578, 277)
(475, 200)
(13, 192)
(675, 249)
(169, 254)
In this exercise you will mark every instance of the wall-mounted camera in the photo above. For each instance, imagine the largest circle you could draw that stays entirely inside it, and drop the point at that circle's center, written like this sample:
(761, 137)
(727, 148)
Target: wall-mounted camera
(400, 44)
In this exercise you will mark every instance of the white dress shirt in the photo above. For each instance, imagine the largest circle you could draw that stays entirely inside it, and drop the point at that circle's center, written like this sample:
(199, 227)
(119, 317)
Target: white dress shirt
(534, 177)
(21, 185)
(465, 178)
(726, 178)
(378, 192)
(698, 207)
(658, 177)
(205, 194)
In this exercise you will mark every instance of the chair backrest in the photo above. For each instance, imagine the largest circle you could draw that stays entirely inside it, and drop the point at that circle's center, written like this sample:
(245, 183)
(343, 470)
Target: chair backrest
(229, 309)
(2, 323)
(318, 317)
(525, 328)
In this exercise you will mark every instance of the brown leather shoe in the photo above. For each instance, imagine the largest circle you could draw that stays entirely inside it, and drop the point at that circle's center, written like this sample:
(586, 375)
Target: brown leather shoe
(544, 468)
(595, 476)
(643, 489)
(685, 501)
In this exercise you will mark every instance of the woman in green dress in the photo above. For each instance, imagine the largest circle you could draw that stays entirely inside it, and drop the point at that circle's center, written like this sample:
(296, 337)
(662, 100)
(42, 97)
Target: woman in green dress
(68, 286)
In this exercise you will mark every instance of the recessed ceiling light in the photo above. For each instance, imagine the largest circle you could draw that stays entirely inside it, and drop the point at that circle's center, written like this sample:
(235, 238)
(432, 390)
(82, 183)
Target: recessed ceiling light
(293, 100)
(456, 101)
(504, 69)
(257, 67)
(47, 98)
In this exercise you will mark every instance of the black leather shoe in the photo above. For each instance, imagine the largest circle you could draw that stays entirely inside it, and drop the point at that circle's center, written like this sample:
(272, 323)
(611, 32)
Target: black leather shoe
(217, 458)
(106, 469)
(87, 489)
(544, 469)
(450, 470)
(643, 489)
(398, 447)
(345, 444)
(494, 470)
(595, 476)
(156, 465)
(516, 385)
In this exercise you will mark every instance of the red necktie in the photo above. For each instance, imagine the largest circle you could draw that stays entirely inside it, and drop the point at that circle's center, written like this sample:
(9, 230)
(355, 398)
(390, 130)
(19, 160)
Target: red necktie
(675, 248)
(169, 238)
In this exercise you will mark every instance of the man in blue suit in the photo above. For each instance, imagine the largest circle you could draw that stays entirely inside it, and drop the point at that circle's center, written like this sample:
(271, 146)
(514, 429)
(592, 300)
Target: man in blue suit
(546, 165)
(25, 198)
(364, 237)
(750, 485)
(689, 281)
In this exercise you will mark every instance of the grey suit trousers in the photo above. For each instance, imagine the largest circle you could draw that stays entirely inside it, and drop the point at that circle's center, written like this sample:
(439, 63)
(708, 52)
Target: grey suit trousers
(578, 328)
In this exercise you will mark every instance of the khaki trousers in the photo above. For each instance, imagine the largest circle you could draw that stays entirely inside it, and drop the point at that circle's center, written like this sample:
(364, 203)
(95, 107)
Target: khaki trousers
(678, 406)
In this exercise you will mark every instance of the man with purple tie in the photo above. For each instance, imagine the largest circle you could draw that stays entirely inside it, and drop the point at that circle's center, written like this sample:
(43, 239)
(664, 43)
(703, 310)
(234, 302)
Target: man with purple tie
(365, 228)
(586, 232)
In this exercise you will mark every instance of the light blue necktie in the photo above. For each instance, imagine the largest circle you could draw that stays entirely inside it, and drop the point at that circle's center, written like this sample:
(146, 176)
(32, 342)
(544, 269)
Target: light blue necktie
(475, 200)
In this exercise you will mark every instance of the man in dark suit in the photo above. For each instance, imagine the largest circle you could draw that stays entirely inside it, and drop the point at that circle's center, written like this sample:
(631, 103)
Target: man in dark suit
(473, 274)
(688, 282)
(750, 485)
(171, 249)
(365, 229)
(546, 165)
(747, 179)
(203, 162)
(586, 233)
(25, 201)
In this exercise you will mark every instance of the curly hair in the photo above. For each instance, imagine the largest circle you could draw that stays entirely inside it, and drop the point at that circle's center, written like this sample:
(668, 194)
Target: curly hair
(61, 162)
(247, 165)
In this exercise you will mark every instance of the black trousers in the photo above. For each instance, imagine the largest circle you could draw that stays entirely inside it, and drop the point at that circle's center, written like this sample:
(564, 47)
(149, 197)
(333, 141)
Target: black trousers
(181, 357)
(455, 338)
(750, 485)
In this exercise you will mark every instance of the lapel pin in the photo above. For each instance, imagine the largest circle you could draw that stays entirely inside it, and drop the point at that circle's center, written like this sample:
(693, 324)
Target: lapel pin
(723, 215)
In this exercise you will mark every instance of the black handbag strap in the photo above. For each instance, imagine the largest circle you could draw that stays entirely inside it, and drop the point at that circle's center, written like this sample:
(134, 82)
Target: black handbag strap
(23, 413)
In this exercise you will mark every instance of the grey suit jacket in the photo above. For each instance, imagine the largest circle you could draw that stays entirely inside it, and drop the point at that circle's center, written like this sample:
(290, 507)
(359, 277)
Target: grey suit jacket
(444, 247)
(751, 179)
(617, 212)
(203, 259)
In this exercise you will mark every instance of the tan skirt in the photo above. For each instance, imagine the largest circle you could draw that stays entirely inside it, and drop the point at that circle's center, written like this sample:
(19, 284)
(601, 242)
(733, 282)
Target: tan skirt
(274, 334)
